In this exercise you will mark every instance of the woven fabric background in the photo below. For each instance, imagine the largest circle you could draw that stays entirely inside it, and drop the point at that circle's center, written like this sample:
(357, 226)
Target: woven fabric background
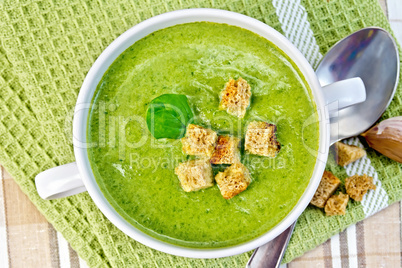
(46, 49)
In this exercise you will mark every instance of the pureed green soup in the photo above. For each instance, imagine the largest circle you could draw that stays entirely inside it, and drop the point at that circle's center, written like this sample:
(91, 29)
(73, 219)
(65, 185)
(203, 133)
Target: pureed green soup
(136, 172)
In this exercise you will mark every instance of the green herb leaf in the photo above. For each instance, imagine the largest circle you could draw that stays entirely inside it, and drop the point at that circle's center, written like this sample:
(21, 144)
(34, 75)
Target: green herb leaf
(168, 116)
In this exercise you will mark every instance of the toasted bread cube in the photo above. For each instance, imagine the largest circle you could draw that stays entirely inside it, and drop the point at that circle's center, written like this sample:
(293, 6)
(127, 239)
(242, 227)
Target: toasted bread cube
(357, 186)
(226, 150)
(199, 141)
(195, 175)
(336, 204)
(235, 98)
(329, 183)
(346, 154)
(261, 139)
(233, 180)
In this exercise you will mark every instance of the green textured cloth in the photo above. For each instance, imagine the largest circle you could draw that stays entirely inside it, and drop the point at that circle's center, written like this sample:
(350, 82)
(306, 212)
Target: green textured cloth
(46, 49)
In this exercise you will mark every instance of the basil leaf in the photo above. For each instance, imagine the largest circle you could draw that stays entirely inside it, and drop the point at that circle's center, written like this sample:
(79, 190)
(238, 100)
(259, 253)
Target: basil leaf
(168, 116)
(171, 127)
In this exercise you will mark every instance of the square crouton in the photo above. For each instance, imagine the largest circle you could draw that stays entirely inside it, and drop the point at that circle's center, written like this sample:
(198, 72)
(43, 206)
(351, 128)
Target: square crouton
(336, 204)
(261, 139)
(195, 175)
(329, 183)
(199, 141)
(357, 186)
(235, 98)
(346, 154)
(233, 180)
(226, 150)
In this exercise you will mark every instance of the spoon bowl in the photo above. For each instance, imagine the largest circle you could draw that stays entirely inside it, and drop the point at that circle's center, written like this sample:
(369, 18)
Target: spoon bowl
(371, 54)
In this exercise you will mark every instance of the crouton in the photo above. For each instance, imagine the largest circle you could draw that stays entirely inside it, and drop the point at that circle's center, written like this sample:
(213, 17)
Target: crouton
(195, 175)
(226, 150)
(346, 154)
(261, 139)
(336, 204)
(327, 187)
(357, 186)
(233, 180)
(235, 98)
(199, 141)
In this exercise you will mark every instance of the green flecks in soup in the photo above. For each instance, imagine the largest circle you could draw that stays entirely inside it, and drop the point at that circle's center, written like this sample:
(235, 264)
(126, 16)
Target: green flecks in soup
(135, 171)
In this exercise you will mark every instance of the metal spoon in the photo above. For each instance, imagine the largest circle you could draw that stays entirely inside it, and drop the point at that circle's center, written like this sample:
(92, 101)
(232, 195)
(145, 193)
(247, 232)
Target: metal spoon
(372, 55)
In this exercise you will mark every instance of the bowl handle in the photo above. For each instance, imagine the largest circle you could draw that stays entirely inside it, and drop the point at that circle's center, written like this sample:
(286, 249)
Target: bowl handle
(61, 181)
(344, 93)
(340, 95)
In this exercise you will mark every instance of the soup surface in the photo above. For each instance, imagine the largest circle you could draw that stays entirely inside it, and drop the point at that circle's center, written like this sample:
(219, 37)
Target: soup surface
(136, 172)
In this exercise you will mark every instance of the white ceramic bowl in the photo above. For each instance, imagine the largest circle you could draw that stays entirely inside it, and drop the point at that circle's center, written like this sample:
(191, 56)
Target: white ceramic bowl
(81, 179)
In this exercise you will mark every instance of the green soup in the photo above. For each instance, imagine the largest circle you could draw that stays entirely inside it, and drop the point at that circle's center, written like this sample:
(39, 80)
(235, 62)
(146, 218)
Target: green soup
(136, 172)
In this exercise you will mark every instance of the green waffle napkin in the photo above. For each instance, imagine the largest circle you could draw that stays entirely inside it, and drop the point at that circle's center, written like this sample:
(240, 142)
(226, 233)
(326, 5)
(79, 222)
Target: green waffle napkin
(46, 49)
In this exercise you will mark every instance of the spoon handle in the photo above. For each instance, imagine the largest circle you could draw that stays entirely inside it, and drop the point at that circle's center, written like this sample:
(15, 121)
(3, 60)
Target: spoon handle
(270, 255)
